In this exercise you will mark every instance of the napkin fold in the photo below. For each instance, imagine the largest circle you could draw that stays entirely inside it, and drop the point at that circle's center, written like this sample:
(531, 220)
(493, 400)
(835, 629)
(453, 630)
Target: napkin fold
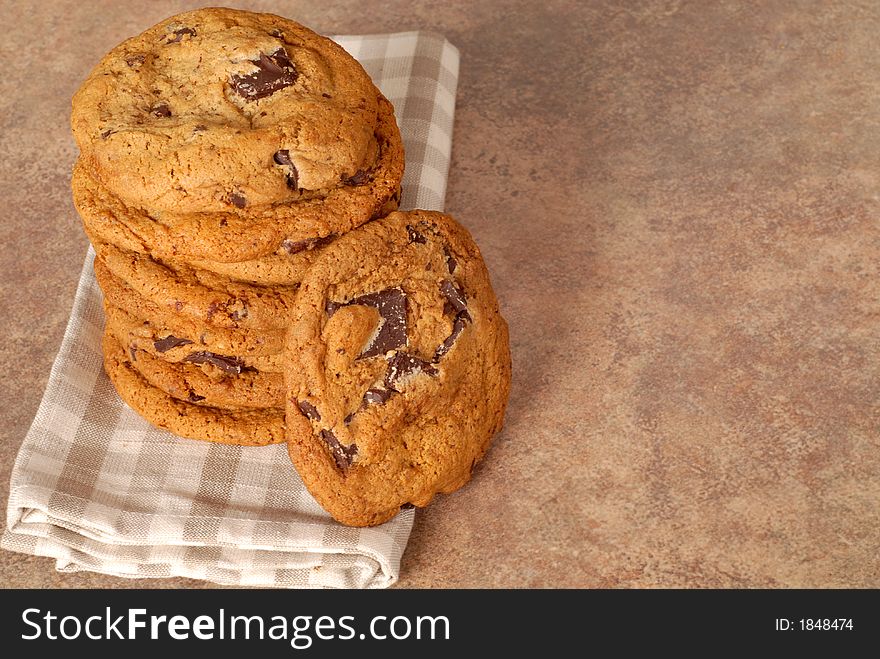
(98, 488)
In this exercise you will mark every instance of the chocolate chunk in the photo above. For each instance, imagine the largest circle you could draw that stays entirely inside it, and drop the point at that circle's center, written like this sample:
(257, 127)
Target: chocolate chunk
(282, 158)
(107, 133)
(180, 34)
(200, 128)
(132, 351)
(451, 263)
(402, 365)
(309, 410)
(326, 95)
(167, 343)
(135, 60)
(293, 247)
(391, 305)
(194, 397)
(415, 236)
(462, 319)
(161, 110)
(371, 397)
(455, 297)
(358, 178)
(342, 455)
(229, 365)
(377, 396)
(238, 200)
(407, 506)
(274, 72)
(179, 304)
(278, 34)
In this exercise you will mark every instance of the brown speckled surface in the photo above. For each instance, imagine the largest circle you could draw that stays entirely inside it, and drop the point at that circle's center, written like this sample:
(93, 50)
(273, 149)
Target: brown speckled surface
(679, 205)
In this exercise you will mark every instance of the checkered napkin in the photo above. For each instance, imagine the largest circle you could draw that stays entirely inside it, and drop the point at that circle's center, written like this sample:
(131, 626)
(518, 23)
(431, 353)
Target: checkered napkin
(98, 488)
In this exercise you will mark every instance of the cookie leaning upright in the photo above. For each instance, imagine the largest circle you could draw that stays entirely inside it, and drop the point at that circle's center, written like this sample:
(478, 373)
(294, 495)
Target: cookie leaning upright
(220, 134)
(398, 367)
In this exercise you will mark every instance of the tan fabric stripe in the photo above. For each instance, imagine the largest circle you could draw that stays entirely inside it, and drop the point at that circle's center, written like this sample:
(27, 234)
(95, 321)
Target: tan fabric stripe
(81, 470)
(212, 498)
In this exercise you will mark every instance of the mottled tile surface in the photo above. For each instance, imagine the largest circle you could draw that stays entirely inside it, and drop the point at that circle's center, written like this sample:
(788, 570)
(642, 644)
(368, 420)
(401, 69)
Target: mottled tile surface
(678, 202)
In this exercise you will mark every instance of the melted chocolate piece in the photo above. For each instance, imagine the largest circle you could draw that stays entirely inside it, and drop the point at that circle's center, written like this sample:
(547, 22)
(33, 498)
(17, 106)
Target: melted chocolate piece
(179, 34)
(160, 110)
(230, 365)
(274, 72)
(342, 455)
(391, 305)
(371, 397)
(453, 295)
(402, 365)
(309, 410)
(282, 158)
(295, 246)
(462, 319)
(194, 397)
(168, 342)
(358, 178)
(238, 200)
(377, 396)
(451, 263)
(415, 236)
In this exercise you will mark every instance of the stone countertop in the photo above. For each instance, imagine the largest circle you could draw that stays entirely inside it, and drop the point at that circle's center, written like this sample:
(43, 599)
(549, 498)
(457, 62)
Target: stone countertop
(678, 203)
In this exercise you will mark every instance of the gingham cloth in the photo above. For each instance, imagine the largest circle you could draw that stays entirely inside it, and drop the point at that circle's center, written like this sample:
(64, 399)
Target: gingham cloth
(98, 488)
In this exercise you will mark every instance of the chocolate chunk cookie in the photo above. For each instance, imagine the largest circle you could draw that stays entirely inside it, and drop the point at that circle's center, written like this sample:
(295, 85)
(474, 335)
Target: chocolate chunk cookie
(129, 314)
(204, 296)
(247, 427)
(247, 131)
(220, 108)
(175, 346)
(206, 378)
(398, 367)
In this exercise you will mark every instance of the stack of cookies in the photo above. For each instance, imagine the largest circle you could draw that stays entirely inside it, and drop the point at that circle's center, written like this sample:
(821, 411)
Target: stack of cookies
(237, 177)
(219, 151)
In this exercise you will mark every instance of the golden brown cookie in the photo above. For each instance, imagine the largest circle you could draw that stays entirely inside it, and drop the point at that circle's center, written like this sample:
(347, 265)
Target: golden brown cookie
(247, 427)
(205, 378)
(172, 345)
(158, 323)
(248, 233)
(398, 367)
(220, 107)
(223, 135)
(205, 297)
